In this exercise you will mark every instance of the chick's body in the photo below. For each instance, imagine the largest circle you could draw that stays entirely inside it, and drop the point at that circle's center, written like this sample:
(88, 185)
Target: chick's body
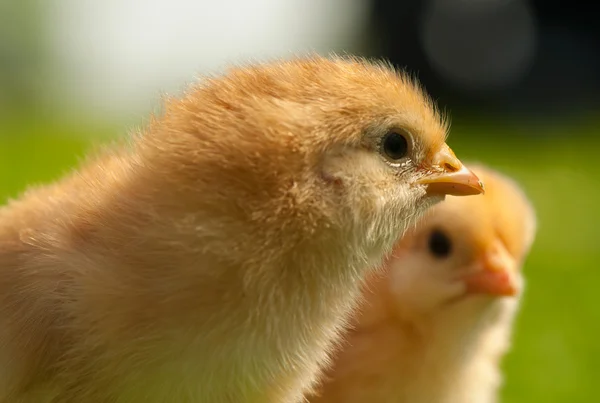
(215, 256)
(436, 325)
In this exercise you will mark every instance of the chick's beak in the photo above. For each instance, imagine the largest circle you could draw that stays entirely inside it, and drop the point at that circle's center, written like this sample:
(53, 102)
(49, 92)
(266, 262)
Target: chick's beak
(450, 176)
(493, 274)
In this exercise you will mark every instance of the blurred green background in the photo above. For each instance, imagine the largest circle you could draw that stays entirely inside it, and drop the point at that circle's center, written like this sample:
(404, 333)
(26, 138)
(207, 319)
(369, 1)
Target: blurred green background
(556, 354)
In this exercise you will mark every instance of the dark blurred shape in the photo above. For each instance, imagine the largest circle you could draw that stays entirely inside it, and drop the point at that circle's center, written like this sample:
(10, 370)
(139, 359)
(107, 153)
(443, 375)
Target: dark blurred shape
(479, 45)
(526, 57)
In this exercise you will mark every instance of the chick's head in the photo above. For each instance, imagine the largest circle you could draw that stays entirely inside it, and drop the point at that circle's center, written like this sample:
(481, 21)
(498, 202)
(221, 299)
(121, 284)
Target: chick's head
(465, 252)
(311, 147)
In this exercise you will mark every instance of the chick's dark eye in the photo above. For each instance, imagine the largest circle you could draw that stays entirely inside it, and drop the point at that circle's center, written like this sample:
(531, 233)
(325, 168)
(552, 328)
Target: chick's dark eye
(394, 146)
(439, 244)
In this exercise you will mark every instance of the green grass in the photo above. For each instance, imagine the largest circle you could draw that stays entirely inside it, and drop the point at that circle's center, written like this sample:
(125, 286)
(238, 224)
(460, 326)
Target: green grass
(556, 354)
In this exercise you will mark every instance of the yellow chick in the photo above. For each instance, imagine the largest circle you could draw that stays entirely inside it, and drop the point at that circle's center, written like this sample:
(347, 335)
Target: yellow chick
(435, 327)
(215, 256)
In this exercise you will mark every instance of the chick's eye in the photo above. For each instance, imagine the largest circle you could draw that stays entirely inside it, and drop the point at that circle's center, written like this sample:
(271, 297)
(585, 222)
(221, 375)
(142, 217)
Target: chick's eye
(439, 244)
(394, 145)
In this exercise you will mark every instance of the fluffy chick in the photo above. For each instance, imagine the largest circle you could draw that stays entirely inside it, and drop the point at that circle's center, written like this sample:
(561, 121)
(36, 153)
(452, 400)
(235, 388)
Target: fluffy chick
(215, 255)
(435, 327)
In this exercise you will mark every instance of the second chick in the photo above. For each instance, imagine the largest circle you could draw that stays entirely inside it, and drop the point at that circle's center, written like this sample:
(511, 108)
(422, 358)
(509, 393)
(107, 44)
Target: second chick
(437, 323)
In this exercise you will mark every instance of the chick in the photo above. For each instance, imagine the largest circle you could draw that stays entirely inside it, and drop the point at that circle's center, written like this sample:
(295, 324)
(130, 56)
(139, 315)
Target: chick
(215, 256)
(436, 325)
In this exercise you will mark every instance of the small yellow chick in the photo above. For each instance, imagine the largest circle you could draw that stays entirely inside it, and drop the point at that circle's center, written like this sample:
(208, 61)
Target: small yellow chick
(216, 256)
(435, 326)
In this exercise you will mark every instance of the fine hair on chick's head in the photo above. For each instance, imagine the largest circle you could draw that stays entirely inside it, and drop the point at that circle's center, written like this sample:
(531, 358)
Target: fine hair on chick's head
(281, 148)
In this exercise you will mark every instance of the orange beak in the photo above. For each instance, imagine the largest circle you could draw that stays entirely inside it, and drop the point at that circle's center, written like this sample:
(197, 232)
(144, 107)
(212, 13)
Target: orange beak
(450, 176)
(493, 274)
